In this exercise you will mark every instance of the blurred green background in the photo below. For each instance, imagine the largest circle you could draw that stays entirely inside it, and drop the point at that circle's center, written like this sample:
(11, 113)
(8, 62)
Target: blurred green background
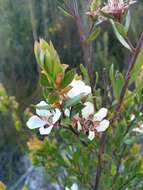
(22, 22)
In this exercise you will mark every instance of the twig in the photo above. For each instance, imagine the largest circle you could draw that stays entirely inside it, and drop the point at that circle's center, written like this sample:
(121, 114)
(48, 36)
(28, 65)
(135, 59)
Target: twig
(99, 165)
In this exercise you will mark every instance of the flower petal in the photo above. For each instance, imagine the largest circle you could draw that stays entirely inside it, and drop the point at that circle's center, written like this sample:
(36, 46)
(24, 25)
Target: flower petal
(67, 112)
(42, 112)
(132, 117)
(74, 187)
(101, 114)
(87, 89)
(45, 131)
(56, 116)
(79, 127)
(103, 125)
(73, 92)
(141, 126)
(138, 130)
(66, 188)
(35, 122)
(78, 87)
(87, 110)
(91, 135)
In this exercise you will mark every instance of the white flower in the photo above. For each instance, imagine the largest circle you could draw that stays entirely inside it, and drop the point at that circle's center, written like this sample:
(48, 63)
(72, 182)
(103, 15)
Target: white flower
(87, 110)
(43, 118)
(139, 129)
(132, 117)
(67, 112)
(78, 87)
(102, 124)
(79, 127)
(101, 114)
(91, 135)
(73, 187)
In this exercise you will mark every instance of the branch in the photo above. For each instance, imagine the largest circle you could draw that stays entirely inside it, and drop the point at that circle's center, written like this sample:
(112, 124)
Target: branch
(99, 165)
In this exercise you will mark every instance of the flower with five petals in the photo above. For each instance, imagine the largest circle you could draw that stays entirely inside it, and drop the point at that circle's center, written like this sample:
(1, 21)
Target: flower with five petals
(99, 124)
(45, 119)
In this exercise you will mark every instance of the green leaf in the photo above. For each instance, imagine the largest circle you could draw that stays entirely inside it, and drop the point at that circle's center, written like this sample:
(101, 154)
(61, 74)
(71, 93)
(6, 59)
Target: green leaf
(56, 64)
(73, 101)
(97, 77)
(48, 59)
(65, 13)
(109, 16)
(44, 81)
(84, 72)
(69, 76)
(53, 97)
(113, 169)
(77, 109)
(131, 95)
(48, 64)
(117, 82)
(120, 28)
(37, 51)
(65, 122)
(128, 20)
(129, 141)
(119, 36)
(111, 74)
(93, 35)
(137, 66)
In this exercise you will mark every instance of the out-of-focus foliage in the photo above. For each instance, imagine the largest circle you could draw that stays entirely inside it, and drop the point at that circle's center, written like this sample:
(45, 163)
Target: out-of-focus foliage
(7, 104)
(11, 143)
(16, 57)
(2, 186)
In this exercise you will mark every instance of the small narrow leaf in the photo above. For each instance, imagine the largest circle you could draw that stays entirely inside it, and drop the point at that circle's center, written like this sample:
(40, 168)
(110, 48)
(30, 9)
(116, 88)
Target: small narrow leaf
(53, 97)
(69, 76)
(109, 16)
(44, 81)
(120, 28)
(65, 13)
(137, 67)
(74, 101)
(84, 71)
(119, 36)
(128, 21)
(117, 82)
(93, 35)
